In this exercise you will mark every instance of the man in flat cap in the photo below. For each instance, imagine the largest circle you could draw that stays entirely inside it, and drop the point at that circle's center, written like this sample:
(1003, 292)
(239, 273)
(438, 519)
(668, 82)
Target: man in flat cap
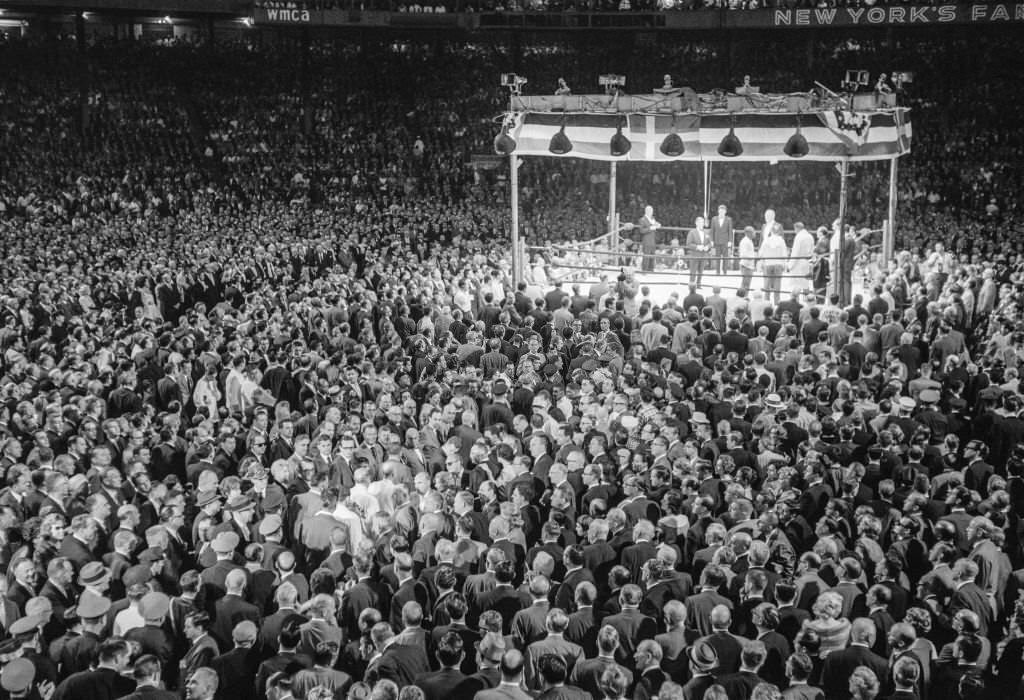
(152, 638)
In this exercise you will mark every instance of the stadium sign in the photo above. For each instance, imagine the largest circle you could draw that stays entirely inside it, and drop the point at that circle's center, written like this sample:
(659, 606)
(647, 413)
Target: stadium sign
(285, 15)
(899, 15)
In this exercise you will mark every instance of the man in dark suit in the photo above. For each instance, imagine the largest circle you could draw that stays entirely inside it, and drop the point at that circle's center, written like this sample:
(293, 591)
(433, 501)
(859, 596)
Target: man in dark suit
(236, 669)
(650, 676)
(966, 596)
(632, 625)
(575, 574)
(203, 647)
(634, 556)
(582, 628)
(510, 687)
(586, 674)
(529, 624)
(400, 663)
(728, 647)
(722, 235)
(441, 684)
(700, 606)
(77, 544)
(152, 638)
(286, 614)
(60, 576)
(840, 665)
(287, 644)
(147, 673)
(742, 683)
(406, 591)
(367, 592)
(232, 609)
(503, 597)
(106, 681)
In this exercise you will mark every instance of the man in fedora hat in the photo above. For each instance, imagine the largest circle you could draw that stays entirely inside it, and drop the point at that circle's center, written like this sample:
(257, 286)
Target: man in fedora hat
(152, 638)
(79, 652)
(703, 660)
(213, 577)
(240, 510)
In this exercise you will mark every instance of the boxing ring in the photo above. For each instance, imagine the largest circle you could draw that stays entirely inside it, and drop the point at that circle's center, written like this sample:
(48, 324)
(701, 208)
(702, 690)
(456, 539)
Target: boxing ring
(706, 128)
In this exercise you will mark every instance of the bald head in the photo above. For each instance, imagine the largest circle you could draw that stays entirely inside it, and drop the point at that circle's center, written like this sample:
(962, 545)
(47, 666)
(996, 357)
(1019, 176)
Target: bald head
(721, 617)
(234, 582)
(863, 631)
(512, 666)
(286, 560)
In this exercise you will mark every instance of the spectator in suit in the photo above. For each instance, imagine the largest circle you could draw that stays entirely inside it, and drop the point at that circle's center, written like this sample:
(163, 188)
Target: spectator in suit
(798, 672)
(321, 626)
(529, 624)
(398, 663)
(510, 688)
(236, 669)
(554, 674)
(441, 684)
(700, 606)
(650, 676)
(582, 627)
(556, 622)
(631, 624)
(587, 674)
(703, 661)
(233, 609)
(728, 647)
(741, 684)
(839, 665)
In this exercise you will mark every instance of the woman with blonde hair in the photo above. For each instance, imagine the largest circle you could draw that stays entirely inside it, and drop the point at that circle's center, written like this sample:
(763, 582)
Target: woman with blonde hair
(833, 631)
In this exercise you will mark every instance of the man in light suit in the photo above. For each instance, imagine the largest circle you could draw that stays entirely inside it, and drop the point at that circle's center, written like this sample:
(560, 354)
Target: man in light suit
(698, 247)
(510, 687)
(722, 236)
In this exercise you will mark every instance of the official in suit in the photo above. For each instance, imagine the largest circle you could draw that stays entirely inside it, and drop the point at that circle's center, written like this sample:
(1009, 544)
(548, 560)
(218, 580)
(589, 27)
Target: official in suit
(722, 236)
(698, 247)
(648, 226)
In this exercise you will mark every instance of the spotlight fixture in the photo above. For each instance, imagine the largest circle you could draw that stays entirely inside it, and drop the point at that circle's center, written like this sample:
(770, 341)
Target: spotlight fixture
(730, 145)
(672, 145)
(504, 145)
(620, 145)
(796, 146)
(560, 143)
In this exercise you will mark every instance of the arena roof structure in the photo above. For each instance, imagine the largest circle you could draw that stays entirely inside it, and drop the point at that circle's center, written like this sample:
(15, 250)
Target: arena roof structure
(763, 125)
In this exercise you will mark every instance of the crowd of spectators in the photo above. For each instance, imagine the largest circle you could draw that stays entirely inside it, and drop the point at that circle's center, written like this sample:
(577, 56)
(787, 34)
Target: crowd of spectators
(276, 422)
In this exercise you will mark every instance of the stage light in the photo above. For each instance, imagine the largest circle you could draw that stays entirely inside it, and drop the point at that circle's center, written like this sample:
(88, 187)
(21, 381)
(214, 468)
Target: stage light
(730, 145)
(504, 145)
(672, 145)
(620, 145)
(797, 146)
(560, 143)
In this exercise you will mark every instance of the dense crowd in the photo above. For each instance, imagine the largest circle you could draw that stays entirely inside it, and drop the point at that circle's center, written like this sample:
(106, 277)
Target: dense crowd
(277, 422)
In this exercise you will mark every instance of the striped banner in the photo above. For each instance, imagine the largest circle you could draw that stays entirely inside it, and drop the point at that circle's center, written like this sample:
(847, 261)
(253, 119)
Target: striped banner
(762, 135)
